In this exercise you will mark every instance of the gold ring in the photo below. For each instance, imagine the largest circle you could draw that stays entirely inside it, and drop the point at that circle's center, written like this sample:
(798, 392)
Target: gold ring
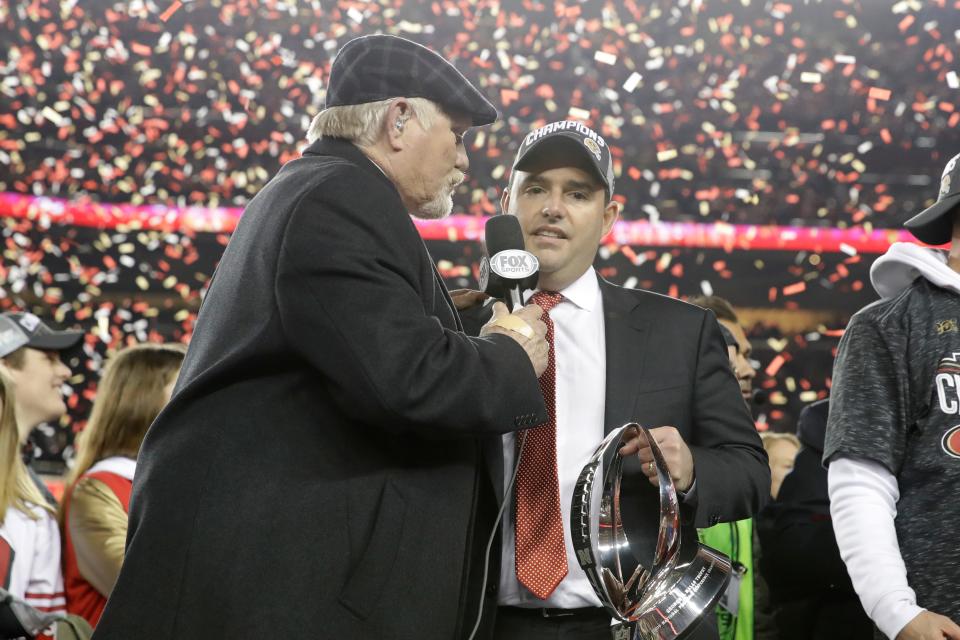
(650, 466)
(513, 323)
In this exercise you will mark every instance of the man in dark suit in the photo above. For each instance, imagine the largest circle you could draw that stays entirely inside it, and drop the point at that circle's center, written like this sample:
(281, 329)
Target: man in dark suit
(617, 356)
(316, 473)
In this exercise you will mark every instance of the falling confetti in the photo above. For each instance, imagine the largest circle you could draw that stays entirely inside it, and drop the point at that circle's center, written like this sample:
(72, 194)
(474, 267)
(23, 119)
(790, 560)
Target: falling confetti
(740, 132)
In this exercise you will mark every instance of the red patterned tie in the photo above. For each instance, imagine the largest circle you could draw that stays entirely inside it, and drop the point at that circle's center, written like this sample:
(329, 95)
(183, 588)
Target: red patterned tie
(541, 557)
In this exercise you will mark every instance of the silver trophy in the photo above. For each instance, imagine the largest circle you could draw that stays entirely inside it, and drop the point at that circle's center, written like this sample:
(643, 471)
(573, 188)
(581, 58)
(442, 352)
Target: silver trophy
(660, 581)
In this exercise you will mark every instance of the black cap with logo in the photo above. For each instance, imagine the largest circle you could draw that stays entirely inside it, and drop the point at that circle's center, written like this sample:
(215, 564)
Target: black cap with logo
(567, 136)
(27, 330)
(934, 225)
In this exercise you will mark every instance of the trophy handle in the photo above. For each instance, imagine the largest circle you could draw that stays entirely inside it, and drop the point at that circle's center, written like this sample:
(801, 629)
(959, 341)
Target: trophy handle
(668, 540)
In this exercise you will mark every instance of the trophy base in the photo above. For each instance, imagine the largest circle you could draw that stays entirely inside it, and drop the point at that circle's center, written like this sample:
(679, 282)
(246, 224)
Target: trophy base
(687, 591)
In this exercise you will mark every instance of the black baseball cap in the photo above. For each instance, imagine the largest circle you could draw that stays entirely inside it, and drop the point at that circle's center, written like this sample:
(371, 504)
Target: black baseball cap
(934, 225)
(37, 334)
(380, 67)
(567, 136)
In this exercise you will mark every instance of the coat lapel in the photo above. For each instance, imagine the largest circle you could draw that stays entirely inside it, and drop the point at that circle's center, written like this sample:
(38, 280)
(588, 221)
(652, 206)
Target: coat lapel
(445, 293)
(626, 332)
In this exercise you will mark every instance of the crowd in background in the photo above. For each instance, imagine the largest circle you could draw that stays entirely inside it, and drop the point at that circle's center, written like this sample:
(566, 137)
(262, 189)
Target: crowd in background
(763, 112)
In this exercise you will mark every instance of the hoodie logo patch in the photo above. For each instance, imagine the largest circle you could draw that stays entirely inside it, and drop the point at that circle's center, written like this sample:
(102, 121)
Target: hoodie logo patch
(947, 326)
(948, 388)
(951, 442)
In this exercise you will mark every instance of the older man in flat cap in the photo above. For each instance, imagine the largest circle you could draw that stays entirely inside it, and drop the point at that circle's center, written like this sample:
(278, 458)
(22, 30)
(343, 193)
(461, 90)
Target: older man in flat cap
(318, 471)
(893, 436)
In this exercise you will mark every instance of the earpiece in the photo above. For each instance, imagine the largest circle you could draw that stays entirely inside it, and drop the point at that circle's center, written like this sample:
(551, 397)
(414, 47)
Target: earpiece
(399, 123)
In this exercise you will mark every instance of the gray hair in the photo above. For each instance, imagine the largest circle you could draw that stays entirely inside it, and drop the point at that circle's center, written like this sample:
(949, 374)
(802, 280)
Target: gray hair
(361, 123)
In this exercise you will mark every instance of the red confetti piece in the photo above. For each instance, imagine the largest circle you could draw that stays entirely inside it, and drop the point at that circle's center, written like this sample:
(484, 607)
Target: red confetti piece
(775, 365)
(172, 9)
(140, 49)
(794, 289)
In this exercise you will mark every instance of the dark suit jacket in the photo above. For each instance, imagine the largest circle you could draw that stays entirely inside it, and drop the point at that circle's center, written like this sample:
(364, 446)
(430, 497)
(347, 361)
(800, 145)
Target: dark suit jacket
(667, 364)
(316, 474)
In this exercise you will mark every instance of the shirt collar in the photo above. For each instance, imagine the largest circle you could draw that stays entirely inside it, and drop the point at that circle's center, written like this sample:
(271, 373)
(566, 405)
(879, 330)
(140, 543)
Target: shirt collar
(584, 291)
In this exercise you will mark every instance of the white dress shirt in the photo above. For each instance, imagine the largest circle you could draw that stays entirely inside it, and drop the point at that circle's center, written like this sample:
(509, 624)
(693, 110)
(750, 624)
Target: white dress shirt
(581, 362)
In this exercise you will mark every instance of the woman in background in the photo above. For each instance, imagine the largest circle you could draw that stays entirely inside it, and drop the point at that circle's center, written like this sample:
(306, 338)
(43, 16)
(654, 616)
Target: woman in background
(136, 385)
(29, 538)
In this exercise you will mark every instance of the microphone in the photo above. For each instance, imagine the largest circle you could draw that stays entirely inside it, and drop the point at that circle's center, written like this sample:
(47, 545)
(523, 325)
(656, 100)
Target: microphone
(507, 269)
(758, 396)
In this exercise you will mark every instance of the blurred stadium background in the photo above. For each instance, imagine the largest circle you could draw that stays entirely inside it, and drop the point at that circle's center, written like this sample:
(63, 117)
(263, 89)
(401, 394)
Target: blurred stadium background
(765, 151)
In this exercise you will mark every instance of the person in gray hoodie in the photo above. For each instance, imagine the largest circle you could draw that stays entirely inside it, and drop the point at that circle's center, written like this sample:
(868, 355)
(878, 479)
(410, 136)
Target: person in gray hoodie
(893, 435)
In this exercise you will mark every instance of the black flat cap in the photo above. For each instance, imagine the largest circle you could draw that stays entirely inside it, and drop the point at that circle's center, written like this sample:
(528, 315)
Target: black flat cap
(934, 225)
(379, 67)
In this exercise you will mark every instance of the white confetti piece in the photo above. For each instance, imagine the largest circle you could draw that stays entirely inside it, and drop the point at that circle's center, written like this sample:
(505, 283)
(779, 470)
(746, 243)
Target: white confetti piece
(666, 154)
(55, 118)
(632, 82)
(605, 58)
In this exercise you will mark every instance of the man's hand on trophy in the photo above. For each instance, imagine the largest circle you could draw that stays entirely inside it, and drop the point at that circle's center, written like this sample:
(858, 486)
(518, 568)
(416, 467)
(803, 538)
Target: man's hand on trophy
(675, 451)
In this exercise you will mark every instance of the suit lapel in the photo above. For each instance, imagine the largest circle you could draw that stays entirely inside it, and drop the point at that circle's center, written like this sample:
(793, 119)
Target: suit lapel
(626, 332)
(446, 294)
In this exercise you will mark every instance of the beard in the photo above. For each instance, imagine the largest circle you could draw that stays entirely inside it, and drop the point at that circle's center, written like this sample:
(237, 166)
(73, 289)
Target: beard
(441, 204)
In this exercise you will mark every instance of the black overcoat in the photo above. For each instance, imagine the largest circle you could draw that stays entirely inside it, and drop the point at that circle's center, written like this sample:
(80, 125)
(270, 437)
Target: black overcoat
(318, 471)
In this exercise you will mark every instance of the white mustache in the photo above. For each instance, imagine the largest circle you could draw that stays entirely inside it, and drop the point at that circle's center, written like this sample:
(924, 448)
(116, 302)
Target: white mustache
(457, 178)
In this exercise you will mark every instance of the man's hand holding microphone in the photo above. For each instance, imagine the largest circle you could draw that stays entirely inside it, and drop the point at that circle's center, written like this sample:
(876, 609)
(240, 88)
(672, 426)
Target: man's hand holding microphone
(505, 273)
(525, 326)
